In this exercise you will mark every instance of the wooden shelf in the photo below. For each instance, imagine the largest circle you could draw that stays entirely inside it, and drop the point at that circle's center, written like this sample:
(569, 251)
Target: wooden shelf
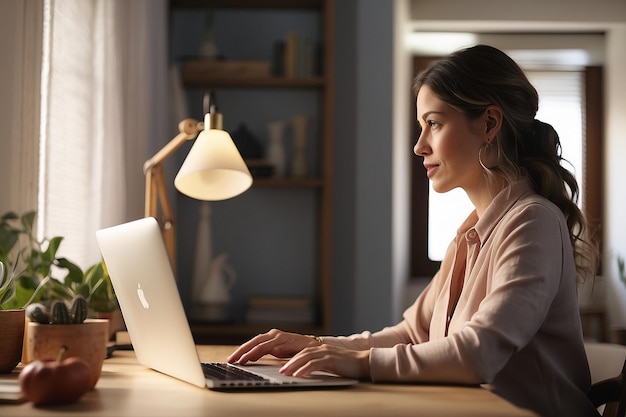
(318, 92)
(288, 182)
(268, 82)
(237, 333)
(248, 4)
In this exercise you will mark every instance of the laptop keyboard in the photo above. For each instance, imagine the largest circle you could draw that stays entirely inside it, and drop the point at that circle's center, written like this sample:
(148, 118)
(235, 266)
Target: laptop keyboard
(226, 372)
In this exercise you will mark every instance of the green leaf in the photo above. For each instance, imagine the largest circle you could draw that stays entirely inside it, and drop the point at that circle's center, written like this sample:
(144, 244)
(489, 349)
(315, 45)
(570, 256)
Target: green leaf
(83, 290)
(8, 239)
(74, 276)
(6, 296)
(53, 246)
(10, 215)
(94, 274)
(28, 219)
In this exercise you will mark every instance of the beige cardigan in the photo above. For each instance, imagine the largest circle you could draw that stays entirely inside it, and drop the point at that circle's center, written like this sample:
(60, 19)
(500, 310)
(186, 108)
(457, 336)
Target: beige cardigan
(516, 326)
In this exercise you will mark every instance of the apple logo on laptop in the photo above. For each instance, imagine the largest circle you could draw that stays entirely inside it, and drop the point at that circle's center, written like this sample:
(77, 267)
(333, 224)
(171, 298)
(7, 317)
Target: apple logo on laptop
(142, 297)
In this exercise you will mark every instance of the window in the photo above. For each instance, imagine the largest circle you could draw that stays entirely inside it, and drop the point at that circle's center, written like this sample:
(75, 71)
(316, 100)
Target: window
(103, 101)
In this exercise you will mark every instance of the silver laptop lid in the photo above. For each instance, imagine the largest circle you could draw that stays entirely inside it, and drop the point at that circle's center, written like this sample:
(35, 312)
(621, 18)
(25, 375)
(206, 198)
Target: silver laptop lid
(146, 290)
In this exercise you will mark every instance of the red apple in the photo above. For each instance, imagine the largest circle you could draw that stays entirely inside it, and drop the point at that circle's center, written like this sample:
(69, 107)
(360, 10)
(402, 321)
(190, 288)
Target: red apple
(51, 382)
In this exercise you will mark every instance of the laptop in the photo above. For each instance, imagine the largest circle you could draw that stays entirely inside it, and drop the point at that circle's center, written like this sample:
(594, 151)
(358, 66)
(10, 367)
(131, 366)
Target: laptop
(146, 290)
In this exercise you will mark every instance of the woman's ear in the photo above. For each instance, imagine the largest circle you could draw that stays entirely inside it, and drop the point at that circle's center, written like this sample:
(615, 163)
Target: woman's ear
(493, 121)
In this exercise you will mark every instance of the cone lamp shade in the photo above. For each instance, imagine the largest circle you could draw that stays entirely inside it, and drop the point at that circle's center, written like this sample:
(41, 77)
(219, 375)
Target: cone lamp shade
(214, 169)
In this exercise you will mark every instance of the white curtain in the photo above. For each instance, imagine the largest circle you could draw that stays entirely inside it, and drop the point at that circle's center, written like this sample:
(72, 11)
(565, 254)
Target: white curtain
(104, 89)
(21, 27)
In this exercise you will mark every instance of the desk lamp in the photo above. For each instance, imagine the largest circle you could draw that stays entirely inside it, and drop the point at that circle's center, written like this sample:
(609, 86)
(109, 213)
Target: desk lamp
(213, 170)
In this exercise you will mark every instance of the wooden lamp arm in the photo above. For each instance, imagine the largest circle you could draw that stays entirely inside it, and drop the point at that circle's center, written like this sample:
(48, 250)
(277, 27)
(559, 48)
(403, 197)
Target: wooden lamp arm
(156, 190)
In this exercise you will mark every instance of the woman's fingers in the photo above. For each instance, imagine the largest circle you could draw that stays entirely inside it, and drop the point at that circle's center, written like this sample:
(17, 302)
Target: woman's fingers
(340, 361)
(275, 342)
(250, 349)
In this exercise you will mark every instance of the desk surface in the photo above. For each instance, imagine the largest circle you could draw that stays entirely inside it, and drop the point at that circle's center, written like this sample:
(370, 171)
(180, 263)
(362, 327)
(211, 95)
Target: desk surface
(126, 388)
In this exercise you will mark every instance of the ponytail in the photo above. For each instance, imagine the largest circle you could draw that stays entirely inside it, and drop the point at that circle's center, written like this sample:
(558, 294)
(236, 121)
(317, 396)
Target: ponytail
(540, 158)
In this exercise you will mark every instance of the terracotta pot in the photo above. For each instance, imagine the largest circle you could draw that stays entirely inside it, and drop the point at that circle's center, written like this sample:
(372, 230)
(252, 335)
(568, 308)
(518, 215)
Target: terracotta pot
(11, 339)
(87, 340)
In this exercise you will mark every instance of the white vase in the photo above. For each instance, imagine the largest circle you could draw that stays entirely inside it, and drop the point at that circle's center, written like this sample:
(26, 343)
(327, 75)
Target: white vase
(203, 251)
(276, 154)
(299, 166)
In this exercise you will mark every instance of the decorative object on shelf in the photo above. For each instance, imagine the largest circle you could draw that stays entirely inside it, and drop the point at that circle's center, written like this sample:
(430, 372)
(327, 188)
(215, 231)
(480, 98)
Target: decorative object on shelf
(252, 152)
(300, 125)
(248, 145)
(213, 170)
(208, 49)
(212, 276)
(276, 153)
(214, 296)
(202, 258)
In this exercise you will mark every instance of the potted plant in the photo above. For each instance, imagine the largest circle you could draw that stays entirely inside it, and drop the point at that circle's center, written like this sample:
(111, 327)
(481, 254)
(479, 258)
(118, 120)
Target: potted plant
(32, 282)
(66, 326)
(11, 323)
(11, 315)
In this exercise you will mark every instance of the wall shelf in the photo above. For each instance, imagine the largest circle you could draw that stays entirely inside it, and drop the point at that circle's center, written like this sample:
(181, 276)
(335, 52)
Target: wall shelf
(295, 212)
(270, 82)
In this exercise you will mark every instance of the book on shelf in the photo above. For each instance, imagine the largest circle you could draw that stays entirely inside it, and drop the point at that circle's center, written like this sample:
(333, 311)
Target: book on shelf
(296, 57)
(280, 309)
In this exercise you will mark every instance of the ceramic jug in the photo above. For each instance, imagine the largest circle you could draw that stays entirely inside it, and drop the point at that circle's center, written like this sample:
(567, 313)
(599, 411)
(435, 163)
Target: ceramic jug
(222, 277)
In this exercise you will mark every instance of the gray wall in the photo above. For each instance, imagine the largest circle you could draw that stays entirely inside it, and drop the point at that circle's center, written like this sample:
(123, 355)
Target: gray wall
(363, 129)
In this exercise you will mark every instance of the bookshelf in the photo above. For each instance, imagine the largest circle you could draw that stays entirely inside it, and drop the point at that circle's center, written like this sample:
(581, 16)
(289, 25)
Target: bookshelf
(278, 234)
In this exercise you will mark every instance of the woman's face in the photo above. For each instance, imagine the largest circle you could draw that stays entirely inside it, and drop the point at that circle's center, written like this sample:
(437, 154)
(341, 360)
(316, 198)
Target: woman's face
(449, 144)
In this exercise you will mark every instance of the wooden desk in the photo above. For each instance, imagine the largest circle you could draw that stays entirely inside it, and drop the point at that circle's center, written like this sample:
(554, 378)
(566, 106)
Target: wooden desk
(126, 388)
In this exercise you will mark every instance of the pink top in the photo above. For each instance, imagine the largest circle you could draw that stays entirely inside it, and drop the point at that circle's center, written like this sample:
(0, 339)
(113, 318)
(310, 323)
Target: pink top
(516, 326)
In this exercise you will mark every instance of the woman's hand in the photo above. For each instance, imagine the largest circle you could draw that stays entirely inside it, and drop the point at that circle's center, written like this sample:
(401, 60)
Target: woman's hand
(275, 342)
(307, 355)
(333, 359)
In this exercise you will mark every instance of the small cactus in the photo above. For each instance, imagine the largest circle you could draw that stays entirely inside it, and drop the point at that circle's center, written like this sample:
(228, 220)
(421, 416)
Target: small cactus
(78, 312)
(59, 312)
(38, 313)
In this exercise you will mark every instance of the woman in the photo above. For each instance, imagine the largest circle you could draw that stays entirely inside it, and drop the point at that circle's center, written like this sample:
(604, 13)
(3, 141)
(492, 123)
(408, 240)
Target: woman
(502, 310)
